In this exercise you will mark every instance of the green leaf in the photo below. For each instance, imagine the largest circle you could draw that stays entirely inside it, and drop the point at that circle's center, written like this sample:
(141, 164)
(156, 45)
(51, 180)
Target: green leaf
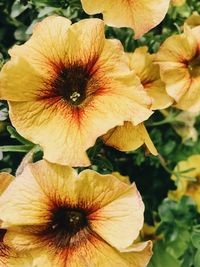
(197, 259)
(196, 240)
(161, 258)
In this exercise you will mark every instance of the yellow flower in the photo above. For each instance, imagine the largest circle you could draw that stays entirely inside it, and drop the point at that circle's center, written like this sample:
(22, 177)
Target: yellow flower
(185, 186)
(140, 15)
(76, 220)
(177, 2)
(179, 60)
(68, 85)
(143, 64)
(129, 137)
(193, 20)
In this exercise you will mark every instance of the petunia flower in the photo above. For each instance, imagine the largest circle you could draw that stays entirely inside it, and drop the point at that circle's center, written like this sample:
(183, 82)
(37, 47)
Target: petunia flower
(143, 64)
(190, 185)
(68, 85)
(129, 137)
(179, 60)
(75, 220)
(140, 15)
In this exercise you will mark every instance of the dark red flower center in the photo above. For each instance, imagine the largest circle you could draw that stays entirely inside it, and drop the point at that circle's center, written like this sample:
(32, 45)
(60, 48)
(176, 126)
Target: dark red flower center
(71, 84)
(194, 66)
(65, 227)
(68, 220)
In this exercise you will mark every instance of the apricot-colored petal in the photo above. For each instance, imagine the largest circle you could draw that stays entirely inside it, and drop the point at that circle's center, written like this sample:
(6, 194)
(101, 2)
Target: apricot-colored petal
(124, 216)
(176, 78)
(191, 99)
(95, 253)
(31, 207)
(160, 98)
(178, 48)
(19, 87)
(139, 15)
(129, 137)
(122, 178)
(5, 180)
(142, 62)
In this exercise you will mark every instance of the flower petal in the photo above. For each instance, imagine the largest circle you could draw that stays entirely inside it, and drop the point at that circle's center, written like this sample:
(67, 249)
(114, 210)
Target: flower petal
(141, 15)
(129, 137)
(191, 99)
(120, 221)
(31, 202)
(95, 253)
(5, 180)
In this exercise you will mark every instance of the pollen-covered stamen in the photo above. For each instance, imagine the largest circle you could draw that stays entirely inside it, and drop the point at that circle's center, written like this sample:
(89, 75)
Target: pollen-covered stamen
(71, 84)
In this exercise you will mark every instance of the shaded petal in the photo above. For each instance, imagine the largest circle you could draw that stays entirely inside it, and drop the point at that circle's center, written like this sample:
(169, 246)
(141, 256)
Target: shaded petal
(176, 78)
(157, 91)
(129, 137)
(139, 15)
(5, 180)
(148, 72)
(191, 99)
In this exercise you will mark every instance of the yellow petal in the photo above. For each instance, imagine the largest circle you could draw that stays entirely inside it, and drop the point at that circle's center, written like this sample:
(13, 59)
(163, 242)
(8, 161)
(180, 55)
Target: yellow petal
(157, 91)
(143, 64)
(129, 137)
(140, 15)
(122, 178)
(124, 216)
(95, 253)
(193, 20)
(5, 180)
(31, 202)
(191, 99)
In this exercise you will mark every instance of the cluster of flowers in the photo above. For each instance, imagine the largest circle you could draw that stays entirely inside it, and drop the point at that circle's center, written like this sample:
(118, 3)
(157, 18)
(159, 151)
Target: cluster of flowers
(67, 86)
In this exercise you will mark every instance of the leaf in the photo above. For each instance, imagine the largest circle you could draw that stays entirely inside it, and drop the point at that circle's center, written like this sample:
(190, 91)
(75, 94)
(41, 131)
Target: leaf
(197, 259)
(161, 258)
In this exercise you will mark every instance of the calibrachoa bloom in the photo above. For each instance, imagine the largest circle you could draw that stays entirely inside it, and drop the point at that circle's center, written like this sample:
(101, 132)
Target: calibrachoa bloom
(179, 60)
(68, 85)
(75, 220)
(140, 15)
(187, 186)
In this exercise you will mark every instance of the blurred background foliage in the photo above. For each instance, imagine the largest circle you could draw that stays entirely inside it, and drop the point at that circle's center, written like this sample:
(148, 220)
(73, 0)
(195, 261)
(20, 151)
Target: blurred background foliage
(177, 237)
